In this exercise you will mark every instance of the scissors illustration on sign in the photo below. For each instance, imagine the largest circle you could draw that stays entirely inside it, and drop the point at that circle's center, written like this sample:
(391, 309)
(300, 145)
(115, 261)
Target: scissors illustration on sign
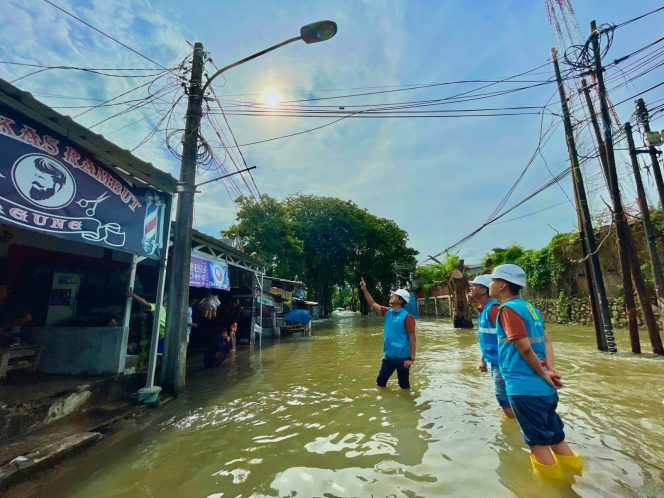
(84, 203)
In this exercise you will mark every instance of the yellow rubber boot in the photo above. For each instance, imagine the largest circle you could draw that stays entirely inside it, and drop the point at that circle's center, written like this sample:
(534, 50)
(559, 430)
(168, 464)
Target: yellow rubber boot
(572, 462)
(546, 471)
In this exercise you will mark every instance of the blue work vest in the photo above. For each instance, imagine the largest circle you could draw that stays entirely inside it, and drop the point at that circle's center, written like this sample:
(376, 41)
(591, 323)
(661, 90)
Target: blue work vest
(520, 378)
(395, 338)
(487, 334)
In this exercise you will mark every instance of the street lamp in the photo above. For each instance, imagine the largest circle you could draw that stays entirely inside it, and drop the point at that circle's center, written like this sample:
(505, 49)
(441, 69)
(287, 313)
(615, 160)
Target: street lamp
(173, 375)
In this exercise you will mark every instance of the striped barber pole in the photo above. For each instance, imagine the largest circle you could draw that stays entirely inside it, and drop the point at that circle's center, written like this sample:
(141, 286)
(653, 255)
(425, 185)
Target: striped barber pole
(151, 225)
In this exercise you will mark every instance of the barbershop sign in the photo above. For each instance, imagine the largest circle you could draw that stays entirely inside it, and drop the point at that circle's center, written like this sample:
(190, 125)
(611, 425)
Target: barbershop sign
(49, 185)
(208, 273)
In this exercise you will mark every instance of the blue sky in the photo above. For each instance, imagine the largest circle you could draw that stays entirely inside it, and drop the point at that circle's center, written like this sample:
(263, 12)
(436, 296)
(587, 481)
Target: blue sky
(438, 178)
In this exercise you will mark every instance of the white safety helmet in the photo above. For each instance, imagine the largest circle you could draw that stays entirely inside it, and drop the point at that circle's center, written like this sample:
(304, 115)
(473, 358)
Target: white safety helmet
(511, 273)
(402, 293)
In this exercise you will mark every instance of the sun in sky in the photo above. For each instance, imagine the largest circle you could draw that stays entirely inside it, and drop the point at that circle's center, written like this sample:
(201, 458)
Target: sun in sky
(271, 97)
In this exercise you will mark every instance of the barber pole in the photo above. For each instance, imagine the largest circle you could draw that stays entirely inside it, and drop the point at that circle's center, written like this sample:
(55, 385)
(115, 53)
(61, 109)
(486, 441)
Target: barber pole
(151, 224)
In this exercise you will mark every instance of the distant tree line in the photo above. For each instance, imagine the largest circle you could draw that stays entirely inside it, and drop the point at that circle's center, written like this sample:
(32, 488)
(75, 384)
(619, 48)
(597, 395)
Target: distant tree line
(326, 242)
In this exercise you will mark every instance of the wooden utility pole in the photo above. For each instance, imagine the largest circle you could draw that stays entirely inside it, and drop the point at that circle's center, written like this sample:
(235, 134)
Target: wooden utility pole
(655, 262)
(175, 354)
(642, 114)
(628, 289)
(622, 228)
(604, 335)
(461, 314)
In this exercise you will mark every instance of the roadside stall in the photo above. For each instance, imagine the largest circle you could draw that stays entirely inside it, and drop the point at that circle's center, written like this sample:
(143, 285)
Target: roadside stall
(224, 283)
(77, 216)
(289, 303)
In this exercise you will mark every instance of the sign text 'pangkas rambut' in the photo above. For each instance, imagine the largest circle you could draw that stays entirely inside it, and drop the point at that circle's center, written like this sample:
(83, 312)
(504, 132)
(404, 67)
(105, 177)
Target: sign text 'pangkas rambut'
(48, 184)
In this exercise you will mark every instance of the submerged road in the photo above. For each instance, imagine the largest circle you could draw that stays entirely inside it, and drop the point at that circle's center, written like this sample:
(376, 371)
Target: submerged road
(303, 417)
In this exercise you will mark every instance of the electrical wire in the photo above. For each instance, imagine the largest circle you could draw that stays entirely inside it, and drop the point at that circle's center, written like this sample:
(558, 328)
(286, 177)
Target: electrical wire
(106, 35)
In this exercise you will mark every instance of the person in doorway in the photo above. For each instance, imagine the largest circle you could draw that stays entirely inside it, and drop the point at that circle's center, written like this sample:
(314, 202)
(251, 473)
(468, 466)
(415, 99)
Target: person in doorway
(190, 316)
(219, 349)
(12, 317)
(525, 355)
(233, 334)
(487, 307)
(398, 336)
(162, 320)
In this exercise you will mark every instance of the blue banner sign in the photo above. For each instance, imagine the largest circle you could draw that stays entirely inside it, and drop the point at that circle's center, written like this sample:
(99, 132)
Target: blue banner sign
(208, 273)
(49, 185)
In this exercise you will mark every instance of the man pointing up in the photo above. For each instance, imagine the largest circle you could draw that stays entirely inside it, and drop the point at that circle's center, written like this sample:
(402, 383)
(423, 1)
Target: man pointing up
(398, 336)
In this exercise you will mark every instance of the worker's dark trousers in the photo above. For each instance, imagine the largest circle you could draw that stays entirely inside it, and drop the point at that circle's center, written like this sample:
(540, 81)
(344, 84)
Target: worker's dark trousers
(387, 368)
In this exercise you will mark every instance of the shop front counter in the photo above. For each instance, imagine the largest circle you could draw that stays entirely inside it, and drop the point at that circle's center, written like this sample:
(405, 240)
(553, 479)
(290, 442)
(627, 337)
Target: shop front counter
(80, 350)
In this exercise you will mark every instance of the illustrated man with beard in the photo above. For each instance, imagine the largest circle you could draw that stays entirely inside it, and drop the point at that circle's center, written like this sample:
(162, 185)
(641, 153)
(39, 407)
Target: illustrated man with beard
(48, 180)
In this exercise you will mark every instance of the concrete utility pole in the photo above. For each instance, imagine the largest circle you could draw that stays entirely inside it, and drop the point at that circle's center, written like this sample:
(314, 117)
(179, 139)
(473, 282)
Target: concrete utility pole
(655, 262)
(622, 228)
(628, 289)
(605, 339)
(175, 354)
(642, 114)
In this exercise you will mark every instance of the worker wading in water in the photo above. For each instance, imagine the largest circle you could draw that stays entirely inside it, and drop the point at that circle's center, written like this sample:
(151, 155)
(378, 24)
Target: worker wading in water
(525, 355)
(488, 312)
(398, 336)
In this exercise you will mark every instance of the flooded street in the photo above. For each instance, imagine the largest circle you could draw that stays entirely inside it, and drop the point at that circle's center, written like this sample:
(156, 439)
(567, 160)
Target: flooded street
(303, 417)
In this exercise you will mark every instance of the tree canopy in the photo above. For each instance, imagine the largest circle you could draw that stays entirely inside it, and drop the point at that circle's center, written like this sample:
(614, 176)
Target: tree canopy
(428, 276)
(327, 242)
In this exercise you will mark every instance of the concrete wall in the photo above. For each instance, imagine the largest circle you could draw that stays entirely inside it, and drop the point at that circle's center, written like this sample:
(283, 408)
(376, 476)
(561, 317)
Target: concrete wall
(434, 306)
(579, 311)
(80, 350)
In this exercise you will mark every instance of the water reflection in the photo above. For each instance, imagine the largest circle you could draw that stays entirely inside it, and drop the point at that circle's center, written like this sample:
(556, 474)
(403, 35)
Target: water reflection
(301, 417)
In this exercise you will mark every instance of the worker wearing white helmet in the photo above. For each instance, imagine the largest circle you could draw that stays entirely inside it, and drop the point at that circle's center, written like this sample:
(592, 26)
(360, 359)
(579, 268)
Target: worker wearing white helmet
(487, 308)
(398, 336)
(525, 355)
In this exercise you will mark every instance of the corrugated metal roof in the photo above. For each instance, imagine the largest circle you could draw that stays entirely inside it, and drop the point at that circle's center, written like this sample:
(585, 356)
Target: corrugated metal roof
(221, 245)
(118, 159)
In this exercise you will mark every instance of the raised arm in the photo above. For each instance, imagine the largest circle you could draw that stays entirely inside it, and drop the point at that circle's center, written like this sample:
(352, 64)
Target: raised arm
(130, 293)
(370, 300)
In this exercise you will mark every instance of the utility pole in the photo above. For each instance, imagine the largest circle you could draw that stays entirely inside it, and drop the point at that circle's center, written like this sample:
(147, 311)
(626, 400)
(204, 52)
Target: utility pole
(655, 262)
(622, 228)
(175, 354)
(628, 289)
(642, 114)
(604, 336)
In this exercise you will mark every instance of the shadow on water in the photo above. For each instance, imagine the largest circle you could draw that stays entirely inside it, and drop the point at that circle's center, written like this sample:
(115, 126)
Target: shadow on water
(302, 417)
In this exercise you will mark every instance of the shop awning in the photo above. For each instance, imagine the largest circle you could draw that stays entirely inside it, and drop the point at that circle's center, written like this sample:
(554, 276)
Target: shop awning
(203, 243)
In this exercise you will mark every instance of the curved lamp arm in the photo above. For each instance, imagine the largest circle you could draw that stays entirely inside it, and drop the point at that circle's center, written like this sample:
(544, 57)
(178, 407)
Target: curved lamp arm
(246, 59)
(311, 33)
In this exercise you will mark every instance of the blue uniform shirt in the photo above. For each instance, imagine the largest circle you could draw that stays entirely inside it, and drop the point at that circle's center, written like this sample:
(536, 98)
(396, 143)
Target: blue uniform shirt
(396, 344)
(487, 334)
(520, 378)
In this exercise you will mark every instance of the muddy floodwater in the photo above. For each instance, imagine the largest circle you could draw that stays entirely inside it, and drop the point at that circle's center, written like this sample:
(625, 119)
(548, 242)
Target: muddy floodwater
(302, 417)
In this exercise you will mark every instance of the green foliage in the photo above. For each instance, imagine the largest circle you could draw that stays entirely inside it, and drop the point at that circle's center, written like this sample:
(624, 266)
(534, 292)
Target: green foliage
(346, 297)
(564, 307)
(266, 231)
(538, 267)
(554, 268)
(428, 276)
(545, 267)
(329, 243)
(501, 256)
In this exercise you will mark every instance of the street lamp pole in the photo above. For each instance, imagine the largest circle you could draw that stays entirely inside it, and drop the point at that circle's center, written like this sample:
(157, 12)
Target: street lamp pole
(175, 354)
